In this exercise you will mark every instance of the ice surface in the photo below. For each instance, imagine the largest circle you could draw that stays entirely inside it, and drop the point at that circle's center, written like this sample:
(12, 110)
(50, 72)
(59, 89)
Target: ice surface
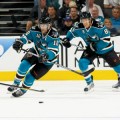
(62, 100)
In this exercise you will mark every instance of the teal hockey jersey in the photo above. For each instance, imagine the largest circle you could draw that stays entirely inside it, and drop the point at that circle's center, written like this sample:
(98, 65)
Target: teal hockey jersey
(48, 43)
(97, 36)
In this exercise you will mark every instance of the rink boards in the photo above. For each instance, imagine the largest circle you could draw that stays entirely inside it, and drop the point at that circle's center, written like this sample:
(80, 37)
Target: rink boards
(10, 60)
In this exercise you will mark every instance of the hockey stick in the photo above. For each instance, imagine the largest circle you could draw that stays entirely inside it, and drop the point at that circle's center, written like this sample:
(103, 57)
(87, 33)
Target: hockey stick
(79, 73)
(30, 53)
(75, 45)
(71, 44)
(54, 63)
(21, 87)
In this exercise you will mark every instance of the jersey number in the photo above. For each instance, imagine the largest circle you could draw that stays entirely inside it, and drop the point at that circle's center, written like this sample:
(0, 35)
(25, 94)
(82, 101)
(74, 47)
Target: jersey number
(55, 43)
(106, 31)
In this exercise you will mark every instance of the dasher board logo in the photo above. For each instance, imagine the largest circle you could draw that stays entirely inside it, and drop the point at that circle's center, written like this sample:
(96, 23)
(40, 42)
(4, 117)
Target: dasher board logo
(5, 44)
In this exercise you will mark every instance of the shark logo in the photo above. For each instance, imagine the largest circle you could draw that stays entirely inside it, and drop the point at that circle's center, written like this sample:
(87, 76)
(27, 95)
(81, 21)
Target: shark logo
(5, 44)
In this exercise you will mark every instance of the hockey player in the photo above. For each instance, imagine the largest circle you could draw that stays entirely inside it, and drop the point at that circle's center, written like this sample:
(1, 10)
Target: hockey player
(97, 39)
(46, 42)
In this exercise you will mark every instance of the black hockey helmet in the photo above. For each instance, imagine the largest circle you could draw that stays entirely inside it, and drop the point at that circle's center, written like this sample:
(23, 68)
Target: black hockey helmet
(44, 20)
(85, 15)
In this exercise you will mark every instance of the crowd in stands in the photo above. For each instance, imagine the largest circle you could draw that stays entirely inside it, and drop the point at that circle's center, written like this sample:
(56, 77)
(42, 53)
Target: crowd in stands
(64, 13)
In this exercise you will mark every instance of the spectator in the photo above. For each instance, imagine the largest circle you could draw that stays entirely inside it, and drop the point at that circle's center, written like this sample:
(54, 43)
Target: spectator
(108, 24)
(95, 14)
(100, 3)
(90, 6)
(61, 3)
(74, 14)
(115, 19)
(52, 13)
(33, 18)
(80, 4)
(35, 2)
(67, 24)
(53, 2)
(72, 4)
(108, 5)
(111, 3)
(62, 11)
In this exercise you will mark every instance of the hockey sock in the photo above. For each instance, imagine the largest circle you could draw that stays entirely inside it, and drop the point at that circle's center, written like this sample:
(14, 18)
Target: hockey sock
(21, 72)
(29, 80)
(23, 68)
(17, 81)
(89, 79)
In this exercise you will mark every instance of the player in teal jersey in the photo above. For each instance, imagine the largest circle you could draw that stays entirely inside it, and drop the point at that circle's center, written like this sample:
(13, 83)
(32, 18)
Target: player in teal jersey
(46, 41)
(97, 39)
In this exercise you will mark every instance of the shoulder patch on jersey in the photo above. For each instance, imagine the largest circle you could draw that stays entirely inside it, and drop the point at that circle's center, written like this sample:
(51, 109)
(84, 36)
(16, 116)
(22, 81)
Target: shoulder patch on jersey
(97, 24)
(53, 33)
(75, 25)
(35, 28)
(78, 25)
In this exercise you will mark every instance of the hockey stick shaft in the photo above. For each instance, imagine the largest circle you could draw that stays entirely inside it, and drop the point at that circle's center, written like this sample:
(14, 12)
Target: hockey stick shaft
(54, 63)
(75, 45)
(21, 87)
(71, 44)
(68, 69)
(30, 53)
(79, 73)
(82, 74)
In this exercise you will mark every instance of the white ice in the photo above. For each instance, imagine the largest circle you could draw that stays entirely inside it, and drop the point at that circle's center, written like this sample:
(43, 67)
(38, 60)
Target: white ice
(62, 100)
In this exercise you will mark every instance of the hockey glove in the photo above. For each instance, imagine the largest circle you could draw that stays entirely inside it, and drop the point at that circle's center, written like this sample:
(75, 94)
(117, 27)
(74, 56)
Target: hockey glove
(17, 45)
(93, 46)
(43, 58)
(66, 42)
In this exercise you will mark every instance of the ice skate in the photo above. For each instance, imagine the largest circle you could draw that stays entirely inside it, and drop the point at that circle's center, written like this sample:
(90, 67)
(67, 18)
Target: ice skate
(89, 87)
(12, 88)
(19, 93)
(117, 85)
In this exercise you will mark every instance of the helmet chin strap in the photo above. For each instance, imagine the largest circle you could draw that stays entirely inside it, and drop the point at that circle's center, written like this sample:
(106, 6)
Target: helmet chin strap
(48, 30)
(48, 27)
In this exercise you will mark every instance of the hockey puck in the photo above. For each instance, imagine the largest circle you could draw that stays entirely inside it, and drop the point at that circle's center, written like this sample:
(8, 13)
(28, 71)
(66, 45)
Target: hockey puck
(41, 102)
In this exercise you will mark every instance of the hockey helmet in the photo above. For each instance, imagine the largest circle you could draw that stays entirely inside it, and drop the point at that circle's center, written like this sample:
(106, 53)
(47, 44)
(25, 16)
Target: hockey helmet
(44, 20)
(84, 15)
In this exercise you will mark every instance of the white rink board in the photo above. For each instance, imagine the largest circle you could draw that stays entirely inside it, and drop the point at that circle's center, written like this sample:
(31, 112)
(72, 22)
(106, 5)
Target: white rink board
(10, 60)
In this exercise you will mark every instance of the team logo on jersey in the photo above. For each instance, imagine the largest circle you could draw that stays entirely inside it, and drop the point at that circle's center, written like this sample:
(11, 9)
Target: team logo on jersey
(5, 44)
(38, 35)
(83, 31)
(95, 37)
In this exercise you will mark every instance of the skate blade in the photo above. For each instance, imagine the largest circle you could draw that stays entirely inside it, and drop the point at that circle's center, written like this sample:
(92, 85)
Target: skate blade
(116, 89)
(8, 92)
(89, 91)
